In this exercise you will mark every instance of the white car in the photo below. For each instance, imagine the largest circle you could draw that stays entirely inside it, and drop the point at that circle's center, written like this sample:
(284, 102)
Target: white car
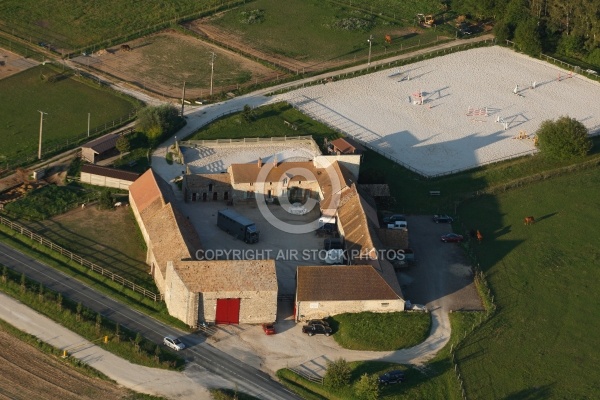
(173, 343)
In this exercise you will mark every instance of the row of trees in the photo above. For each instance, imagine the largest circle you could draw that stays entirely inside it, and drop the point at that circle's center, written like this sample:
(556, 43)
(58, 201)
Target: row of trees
(570, 28)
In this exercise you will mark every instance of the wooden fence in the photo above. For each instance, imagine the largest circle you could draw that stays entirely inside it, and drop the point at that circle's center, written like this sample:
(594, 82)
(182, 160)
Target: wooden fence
(80, 260)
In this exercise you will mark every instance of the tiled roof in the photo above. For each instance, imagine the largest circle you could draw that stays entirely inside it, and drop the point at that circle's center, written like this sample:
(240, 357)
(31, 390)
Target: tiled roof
(228, 276)
(202, 180)
(342, 283)
(145, 190)
(103, 143)
(110, 172)
(246, 173)
(347, 146)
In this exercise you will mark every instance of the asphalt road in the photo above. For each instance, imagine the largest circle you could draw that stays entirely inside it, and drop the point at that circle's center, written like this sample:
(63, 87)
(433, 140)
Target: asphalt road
(202, 358)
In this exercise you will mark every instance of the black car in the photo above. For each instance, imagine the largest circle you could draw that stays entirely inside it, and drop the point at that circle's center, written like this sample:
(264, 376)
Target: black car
(391, 219)
(391, 377)
(327, 229)
(316, 329)
(317, 322)
(442, 219)
(333, 244)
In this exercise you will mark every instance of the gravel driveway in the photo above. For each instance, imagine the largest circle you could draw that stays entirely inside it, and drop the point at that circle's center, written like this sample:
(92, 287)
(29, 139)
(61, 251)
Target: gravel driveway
(441, 275)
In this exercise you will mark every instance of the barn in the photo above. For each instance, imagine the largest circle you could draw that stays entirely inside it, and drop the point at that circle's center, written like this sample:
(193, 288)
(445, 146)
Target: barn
(106, 176)
(328, 290)
(220, 291)
(99, 149)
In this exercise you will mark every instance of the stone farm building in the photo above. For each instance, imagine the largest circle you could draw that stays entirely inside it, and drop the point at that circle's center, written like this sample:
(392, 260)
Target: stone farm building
(331, 181)
(194, 291)
(246, 291)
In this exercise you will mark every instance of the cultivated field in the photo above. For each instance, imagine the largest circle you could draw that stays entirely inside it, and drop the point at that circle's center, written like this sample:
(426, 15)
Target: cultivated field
(67, 103)
(442, 136)
(543, 341)
(306, 36)
(11, 63)
(162, 62)
(27, 373)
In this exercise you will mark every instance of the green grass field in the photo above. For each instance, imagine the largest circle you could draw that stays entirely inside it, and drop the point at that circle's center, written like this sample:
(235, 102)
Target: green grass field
(411, 191)
(394, 330)
(83, 23)
(67, 102)
(116, 244)
(312, 30)
(543, 342)
(268, 123)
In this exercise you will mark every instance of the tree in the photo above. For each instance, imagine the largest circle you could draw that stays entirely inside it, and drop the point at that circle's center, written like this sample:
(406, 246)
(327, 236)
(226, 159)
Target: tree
(159, 122)
(563, 139)
(248, 114)
(123, 145)
(79, 308)
(367, 387)
(106, 201)
(98, 323)
(527, 37)
(338, 373)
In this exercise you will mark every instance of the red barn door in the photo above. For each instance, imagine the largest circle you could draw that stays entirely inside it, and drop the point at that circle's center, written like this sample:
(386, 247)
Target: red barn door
(228, 311)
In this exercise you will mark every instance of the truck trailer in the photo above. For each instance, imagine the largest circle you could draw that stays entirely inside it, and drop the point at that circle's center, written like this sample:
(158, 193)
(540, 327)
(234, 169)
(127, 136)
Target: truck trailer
(237, 226)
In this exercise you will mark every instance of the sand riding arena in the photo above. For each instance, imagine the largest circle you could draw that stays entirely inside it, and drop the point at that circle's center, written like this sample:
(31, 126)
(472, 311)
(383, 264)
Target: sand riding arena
(454, 112)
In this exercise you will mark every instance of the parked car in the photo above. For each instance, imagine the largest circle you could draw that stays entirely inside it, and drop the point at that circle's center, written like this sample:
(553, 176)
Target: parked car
(442, 219)
(391, 377)
(327, 229)
(269, 329)
(317, 322)
(174, 343)
(316, 329)
(409, 306)
(452, 238)
(390, 219)
(333, 244)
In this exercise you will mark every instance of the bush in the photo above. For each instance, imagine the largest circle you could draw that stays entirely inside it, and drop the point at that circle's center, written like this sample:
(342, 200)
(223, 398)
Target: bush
(252, 17)
(367, 387)
(338, 373)
(45, 202)
(563, 139)
(527, 37)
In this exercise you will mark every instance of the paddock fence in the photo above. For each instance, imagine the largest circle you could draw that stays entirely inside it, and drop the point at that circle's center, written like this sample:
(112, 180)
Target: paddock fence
(80, 260)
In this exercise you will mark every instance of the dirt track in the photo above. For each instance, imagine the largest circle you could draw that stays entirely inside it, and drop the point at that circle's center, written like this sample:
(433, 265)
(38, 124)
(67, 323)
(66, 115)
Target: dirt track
(27, 373)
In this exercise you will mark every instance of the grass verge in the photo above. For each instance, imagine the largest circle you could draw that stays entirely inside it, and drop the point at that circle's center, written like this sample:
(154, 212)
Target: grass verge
(92, 326)
(135, 300)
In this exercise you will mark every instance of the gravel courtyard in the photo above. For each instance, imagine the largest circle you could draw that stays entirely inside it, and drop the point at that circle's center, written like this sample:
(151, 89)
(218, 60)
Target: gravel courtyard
(439, 136)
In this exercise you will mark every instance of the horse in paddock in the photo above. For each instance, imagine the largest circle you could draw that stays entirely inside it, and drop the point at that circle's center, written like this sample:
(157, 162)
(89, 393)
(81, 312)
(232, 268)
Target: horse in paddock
(479, 236)
(529, 220)
(125, 47)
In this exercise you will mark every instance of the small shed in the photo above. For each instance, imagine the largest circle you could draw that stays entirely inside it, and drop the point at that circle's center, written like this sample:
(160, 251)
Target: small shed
(345, 146)
(105, 176)
(100, 149)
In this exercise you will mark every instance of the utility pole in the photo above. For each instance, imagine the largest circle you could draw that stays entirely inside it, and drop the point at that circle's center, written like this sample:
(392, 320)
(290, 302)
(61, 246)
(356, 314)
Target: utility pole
(88, 124)
(370, 40)
(41, 126)
(183, 99)
(212, 71)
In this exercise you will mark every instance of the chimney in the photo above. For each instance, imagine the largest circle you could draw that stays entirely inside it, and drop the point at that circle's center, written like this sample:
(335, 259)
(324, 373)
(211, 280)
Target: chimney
(275, 161)
(260, 163)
